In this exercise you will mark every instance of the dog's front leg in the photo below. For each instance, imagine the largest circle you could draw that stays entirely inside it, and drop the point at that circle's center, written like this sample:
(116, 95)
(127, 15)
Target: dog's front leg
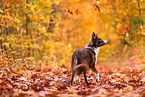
(97, 74)
(97, 77)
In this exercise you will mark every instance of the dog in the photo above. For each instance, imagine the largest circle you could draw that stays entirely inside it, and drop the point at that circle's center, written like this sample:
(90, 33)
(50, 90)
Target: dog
(84, 59)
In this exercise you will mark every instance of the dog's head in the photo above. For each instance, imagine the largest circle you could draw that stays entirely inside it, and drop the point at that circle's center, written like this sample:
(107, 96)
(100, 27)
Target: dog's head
(96, 41)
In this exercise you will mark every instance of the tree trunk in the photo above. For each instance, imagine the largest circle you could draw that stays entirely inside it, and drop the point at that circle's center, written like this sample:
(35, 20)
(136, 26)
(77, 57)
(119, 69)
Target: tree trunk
(27, 19)
(28, 32)
(139, 10)
(52, 24)
(4, 13)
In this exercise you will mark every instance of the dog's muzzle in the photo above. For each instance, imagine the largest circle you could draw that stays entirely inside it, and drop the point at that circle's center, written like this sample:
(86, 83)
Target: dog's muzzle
(105, 41)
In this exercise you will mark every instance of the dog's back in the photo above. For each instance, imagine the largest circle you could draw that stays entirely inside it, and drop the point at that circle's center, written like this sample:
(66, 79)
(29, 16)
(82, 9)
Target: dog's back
(82, 59)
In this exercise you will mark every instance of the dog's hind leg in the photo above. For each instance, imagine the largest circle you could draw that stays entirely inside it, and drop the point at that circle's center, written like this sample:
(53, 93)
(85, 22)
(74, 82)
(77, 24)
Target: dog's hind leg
(85, 78)
(97, 74)
(73, 73)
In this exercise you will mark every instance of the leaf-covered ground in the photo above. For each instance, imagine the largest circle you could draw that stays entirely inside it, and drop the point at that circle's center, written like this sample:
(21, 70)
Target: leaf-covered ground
(124, 81)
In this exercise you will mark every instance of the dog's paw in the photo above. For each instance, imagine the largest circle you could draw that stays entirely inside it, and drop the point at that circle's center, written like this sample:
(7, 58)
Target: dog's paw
(78, 78)
(97, 77)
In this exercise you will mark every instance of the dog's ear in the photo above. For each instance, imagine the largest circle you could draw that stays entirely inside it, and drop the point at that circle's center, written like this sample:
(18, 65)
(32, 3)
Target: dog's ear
(97, 35)
(93, 36)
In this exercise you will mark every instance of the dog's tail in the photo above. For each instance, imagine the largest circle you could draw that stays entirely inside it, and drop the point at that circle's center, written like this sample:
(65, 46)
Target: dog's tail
(81, 68)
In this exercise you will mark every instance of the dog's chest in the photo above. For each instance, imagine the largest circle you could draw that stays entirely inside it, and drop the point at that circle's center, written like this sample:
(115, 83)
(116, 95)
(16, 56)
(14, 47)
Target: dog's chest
(96, 51)
(96, 54)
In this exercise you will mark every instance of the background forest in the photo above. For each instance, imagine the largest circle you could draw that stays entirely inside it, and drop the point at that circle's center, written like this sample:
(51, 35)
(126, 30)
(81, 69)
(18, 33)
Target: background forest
(50, 30)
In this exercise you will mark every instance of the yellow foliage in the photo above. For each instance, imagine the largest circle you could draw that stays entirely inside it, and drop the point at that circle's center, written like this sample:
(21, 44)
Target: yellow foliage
(1, 11)
(50, 30)
(6, 44)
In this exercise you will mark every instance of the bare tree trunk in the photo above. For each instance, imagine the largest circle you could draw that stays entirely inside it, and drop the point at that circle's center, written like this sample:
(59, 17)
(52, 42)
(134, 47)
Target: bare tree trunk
(20, 41)
(28, 32)
(139, 10)
(52, 24)
(1, 41)
(5, 28)
(4, 13)
(32, 42)
(27, 19)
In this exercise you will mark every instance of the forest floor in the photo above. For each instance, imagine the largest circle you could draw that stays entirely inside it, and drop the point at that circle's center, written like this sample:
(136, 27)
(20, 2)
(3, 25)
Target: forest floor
(126, 80)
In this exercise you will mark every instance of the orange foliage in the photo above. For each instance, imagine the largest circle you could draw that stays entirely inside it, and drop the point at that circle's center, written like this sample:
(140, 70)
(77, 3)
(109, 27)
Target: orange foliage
(124, 29)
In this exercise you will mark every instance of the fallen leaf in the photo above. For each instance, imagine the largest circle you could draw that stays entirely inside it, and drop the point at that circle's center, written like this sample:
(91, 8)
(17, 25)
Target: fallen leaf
(77, 11)
(96, 7)
(143, 79)
(129, 88)
(68, 11)
(142, 93)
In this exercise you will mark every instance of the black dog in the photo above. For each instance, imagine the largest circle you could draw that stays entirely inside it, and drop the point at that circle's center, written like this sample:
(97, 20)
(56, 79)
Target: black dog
(85, 58)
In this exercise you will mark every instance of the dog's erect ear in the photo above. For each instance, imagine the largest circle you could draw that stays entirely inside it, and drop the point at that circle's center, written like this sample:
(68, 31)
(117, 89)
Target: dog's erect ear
(93, 36)
(97, 35)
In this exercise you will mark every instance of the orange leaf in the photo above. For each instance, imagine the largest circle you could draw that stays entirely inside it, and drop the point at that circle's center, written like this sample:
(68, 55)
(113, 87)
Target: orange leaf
(128, 88)
(96, 7)
(68, 11)
(77, 11)
(124, 29)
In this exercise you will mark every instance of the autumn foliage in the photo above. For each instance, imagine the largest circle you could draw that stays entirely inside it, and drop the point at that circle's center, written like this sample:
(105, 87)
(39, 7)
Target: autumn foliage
(38, 37)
